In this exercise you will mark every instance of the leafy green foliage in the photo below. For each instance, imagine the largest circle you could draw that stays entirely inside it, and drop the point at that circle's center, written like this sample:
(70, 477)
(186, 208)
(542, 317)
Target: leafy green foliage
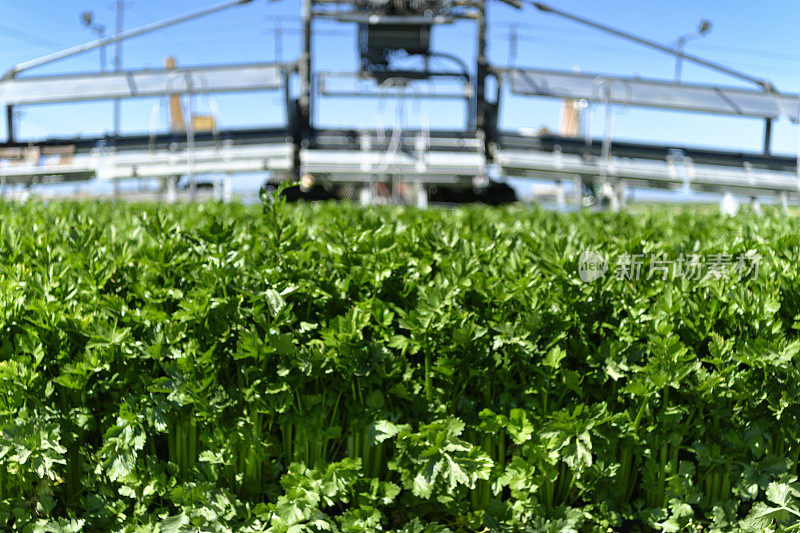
(334, 368)
(436, 456)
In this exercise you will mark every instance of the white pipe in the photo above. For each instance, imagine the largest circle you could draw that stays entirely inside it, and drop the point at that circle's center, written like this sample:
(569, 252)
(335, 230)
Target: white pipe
(81, 48)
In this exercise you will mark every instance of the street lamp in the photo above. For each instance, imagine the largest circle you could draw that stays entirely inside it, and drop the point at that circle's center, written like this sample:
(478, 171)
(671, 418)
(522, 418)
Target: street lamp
(87, 19)
(703, 28)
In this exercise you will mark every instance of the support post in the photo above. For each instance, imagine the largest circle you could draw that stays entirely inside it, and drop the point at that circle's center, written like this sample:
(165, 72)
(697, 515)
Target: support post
(10, 135)
(422, 196)
(577, 190)
(227, 189)
(481, 71)
(622, 196)
(218, 188)
(767, 136)
(190, 141)
(305, 66)
(365, 195)
(300, 110)
(172, 189)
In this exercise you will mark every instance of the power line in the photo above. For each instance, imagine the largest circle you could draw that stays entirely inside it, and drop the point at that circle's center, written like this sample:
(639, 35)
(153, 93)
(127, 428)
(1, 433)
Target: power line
(778, 57)
(28, 37)
(749, 51)
(704, 45)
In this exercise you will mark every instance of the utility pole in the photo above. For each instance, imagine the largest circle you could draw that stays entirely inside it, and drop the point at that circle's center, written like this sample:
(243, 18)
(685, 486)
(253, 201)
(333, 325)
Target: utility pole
(87, 19)
(512, 45)
(117, 66)
(118, 61)
(703, 28)
(278, 40)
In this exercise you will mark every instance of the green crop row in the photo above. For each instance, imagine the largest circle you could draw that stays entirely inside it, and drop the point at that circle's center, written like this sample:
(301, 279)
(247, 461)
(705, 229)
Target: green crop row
(335, 368)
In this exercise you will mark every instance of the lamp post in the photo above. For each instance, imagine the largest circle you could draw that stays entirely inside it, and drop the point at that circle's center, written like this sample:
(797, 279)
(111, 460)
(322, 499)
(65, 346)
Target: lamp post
(87, 19)
(703, 28)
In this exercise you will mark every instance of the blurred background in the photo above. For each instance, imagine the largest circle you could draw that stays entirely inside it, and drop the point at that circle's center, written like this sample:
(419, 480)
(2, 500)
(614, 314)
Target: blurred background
(757, 38)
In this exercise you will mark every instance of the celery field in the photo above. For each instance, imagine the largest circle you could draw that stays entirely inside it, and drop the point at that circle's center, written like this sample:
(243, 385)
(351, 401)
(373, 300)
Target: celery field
(297, 368)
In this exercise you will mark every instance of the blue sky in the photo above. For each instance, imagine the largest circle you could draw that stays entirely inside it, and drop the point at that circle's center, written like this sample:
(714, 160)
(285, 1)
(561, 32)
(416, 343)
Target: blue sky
(758, 37)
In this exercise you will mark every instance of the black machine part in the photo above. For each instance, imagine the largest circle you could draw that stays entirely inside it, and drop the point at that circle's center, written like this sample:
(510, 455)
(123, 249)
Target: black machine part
(405, 7)
(378, 41)
(397, 26)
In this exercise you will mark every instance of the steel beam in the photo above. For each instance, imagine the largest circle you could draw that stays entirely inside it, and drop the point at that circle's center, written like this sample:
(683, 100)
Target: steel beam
(140, 83)
(653, 93)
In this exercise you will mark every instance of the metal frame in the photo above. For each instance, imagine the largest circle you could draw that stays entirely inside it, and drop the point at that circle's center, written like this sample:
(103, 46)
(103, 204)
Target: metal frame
(337, 10)
(654, 93)
(138, 83)
(432, 157)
